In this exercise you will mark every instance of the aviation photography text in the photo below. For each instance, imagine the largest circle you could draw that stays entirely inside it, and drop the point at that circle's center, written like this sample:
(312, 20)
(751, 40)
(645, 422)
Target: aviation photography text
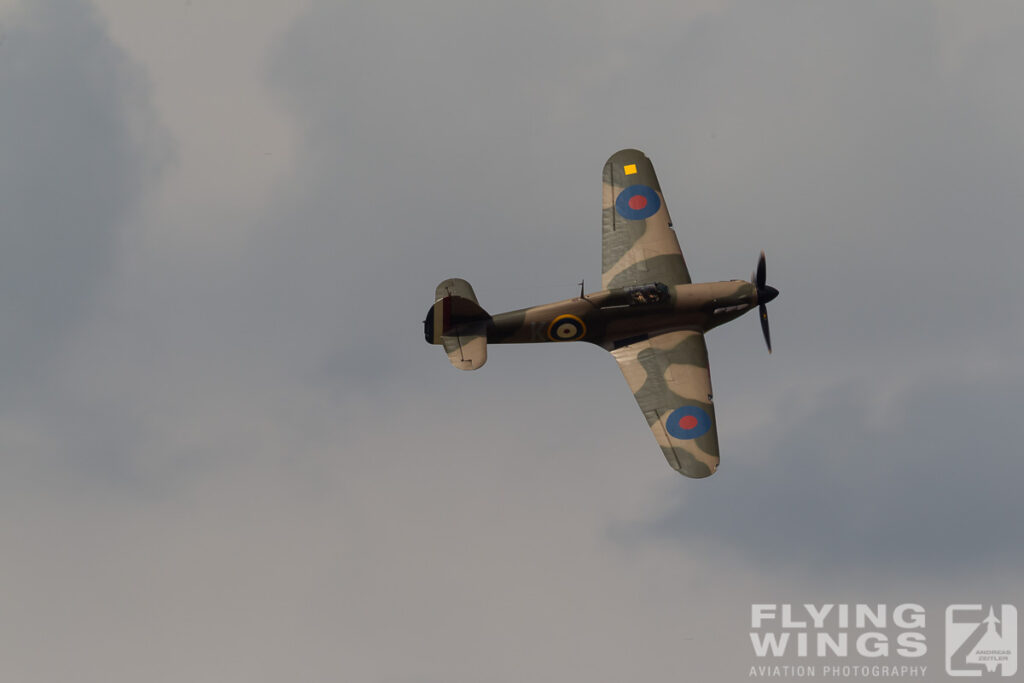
(838, 641)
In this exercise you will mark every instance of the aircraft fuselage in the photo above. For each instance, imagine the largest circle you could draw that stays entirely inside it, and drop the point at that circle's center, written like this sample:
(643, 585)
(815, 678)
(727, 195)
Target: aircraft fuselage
(614, 317)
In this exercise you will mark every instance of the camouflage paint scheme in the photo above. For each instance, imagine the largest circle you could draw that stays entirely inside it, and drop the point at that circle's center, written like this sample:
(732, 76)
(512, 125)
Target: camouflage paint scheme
(648, 315)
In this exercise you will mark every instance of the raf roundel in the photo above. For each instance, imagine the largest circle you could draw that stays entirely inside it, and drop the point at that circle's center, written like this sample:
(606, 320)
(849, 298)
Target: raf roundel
(688, 422)
(566, 328)
(637, 202)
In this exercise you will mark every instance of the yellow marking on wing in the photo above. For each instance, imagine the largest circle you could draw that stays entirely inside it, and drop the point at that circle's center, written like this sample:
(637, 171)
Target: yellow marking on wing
(629, 169)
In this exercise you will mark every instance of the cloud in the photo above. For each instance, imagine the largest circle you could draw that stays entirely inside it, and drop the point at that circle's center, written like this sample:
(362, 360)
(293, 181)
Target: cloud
(247, 464)
(918, 484)
(71, 173)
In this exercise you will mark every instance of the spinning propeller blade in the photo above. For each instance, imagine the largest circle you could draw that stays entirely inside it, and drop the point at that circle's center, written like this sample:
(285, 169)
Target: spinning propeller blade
(764, 295)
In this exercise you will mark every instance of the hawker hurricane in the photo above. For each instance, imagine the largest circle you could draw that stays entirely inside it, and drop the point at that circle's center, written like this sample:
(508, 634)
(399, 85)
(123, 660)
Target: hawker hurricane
(648, 314)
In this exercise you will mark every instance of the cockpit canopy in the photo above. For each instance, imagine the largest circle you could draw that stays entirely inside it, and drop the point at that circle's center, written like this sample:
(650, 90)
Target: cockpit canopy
(643, 295)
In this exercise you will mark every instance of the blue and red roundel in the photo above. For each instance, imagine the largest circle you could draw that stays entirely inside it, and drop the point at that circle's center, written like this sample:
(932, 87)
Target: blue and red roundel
(688, 422)
(637, 202)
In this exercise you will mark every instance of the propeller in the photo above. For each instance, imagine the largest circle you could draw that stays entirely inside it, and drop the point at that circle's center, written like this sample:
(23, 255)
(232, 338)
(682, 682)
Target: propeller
(764, 295)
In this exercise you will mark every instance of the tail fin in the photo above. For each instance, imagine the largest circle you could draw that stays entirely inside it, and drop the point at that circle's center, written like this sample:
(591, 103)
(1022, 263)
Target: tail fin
(457, 322)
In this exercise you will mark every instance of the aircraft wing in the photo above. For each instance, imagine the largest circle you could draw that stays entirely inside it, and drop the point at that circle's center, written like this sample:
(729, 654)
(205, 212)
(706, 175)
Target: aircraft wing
(669, 376)
(638, 244)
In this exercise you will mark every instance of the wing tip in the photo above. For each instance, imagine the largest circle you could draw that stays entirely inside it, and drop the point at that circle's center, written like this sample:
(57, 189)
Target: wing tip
(685, 464)
(627, 154)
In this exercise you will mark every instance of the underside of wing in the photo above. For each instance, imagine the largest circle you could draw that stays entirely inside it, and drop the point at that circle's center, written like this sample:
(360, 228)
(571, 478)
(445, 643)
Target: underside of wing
(671, 382)
(638, 244)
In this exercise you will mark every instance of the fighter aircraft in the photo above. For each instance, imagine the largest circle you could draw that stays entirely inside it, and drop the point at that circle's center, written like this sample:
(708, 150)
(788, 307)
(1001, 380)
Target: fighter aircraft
(648, 314)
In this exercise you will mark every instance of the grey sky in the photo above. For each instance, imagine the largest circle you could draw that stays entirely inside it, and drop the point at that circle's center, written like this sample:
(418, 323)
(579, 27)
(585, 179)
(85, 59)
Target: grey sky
(228, 454)
(70, 175)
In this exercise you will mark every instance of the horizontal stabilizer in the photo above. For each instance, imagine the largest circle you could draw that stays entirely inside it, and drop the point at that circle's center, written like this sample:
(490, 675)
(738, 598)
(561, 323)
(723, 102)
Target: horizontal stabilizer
(467, 348)
(455, 287)
(457, 322)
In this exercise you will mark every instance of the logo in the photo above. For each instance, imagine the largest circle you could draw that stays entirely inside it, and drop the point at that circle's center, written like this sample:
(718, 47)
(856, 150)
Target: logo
(637, 202)
(566, 327)
(981, 640)
(688, 422)
(838, 640)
